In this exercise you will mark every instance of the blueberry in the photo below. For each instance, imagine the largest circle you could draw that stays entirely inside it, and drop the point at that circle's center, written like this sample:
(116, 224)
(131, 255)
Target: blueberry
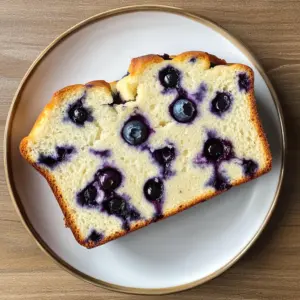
(183, 110)
(95, 237)
(166, 57)
(134, 215)
(169, 77)
(135, 132)
(63, 152)
(49, 161)
(213, 149)
(116, 206)
(164, 155)
(109, 178)
(193, 59)
(221, 103)
(88, 196)
(250, 167)
(212, 65)
(78, 115)
(153, 189)
(244, 82)
(117, 99)
(220, 184)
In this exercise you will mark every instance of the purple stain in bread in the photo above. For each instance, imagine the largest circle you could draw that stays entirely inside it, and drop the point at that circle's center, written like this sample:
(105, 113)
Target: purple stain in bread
(244, 82)
(219, 181)
(101, 153)
(221, 103)
(63, 153)
(120, 207)
(164, 157)
(95, 237)
(201, 92)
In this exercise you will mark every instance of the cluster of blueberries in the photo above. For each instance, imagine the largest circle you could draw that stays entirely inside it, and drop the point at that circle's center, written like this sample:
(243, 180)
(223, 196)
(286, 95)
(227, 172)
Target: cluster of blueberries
(101, 193)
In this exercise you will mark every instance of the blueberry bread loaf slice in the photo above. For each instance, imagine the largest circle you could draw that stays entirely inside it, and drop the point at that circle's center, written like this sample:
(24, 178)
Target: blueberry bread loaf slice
(176, 130)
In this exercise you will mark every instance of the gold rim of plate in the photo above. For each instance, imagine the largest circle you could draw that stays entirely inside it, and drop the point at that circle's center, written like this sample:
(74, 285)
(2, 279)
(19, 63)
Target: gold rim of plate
(7, 159)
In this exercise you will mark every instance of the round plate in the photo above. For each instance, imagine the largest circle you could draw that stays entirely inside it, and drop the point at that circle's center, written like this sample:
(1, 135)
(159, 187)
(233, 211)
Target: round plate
(182, 251)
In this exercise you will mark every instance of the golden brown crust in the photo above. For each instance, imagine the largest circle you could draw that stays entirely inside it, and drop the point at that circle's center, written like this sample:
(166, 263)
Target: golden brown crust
(139, 64)
(136, 67)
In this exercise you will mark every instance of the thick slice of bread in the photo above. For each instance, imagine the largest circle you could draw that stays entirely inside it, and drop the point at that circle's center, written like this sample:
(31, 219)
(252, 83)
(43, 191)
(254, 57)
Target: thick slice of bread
(176, 130)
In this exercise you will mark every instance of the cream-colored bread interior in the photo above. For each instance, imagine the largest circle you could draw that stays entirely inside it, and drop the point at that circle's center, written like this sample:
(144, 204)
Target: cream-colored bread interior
(145, 96)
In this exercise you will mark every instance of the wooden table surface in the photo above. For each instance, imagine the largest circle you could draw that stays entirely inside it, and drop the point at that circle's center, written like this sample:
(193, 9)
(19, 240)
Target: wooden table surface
(271, 269)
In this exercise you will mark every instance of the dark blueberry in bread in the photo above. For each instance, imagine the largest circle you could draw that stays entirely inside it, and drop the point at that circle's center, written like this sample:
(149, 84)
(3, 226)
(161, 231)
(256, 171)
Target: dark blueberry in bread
(109, 178)
(169, 77)
(193, 59)
(244, 82)
(63, 152)
(220, 183)
(116, 206)
(212, 65)
(216, 150)
(213, 149)
(95, 237)
(183, 110)
(79, 115)
(117, 99)
(134, 215)
(135, 132)
(221, 103)
(250, 167)
(88, 196)
(153, 189)
(164, 155)
(51, 161)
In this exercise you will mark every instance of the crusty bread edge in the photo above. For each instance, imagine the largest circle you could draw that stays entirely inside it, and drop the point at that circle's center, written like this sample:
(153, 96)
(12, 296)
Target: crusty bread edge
(136, 67)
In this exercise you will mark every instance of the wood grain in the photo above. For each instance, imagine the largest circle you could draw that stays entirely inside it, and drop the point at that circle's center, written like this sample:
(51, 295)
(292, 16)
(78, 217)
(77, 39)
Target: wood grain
(271, 269)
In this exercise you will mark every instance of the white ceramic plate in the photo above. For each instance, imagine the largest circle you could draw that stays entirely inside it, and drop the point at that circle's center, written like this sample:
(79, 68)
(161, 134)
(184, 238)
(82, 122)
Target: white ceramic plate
(182, 251)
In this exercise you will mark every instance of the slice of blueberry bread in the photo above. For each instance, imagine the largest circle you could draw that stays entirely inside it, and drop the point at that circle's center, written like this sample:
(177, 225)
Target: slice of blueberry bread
(175, 131)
